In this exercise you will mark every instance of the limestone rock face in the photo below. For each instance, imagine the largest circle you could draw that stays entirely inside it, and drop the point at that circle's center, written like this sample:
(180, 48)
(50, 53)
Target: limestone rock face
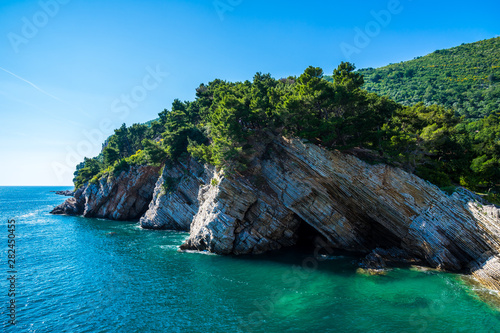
(236, 217)
(353, 205)
(175, 198)
(124, 197)
(295, 192)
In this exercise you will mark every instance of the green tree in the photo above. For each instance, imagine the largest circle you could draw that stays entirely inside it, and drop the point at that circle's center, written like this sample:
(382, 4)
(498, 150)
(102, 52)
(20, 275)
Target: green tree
(91, 168)
(111, 155)
(156, 155)
(344, 75)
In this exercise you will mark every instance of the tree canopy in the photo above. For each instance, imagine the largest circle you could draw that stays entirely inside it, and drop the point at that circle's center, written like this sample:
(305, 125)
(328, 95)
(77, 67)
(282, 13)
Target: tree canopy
(223, 123)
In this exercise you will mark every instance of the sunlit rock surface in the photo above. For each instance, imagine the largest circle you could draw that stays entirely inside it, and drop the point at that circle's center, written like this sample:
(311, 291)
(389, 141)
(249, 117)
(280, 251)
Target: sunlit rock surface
(354, 205)
(295, 192)
(175, 198)
(125, 196)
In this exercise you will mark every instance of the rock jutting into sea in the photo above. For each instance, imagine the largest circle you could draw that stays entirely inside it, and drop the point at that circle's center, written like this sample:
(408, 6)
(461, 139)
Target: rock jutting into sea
(294, 191)
(125, 196)
(67, 193)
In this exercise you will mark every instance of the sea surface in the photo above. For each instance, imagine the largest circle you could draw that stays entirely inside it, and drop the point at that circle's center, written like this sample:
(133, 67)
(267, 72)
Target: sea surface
(76, 274)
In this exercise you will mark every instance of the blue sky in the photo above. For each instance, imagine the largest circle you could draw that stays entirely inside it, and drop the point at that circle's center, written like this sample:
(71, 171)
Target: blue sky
(72, 70)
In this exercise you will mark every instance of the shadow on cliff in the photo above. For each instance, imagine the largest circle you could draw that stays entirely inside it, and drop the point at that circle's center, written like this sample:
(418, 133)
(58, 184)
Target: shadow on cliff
(310, 254)
(313, 254)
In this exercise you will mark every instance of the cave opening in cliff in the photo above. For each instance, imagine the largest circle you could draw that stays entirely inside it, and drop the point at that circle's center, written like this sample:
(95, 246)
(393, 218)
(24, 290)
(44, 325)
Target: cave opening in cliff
(307, 237)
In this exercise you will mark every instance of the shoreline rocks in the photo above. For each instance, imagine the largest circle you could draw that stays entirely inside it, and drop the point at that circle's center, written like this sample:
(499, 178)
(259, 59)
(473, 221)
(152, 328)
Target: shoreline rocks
(293, 192)
(353, 205)
(67, 193)
(122, 197)
(73, 206)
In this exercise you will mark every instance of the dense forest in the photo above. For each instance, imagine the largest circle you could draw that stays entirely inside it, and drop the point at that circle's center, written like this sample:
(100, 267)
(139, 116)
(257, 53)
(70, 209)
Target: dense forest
(227, 119)
(464, 78)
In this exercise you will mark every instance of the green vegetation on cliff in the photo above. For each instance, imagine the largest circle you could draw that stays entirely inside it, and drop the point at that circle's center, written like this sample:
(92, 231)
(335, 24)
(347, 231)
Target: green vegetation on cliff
(225, 121)
(465, 78)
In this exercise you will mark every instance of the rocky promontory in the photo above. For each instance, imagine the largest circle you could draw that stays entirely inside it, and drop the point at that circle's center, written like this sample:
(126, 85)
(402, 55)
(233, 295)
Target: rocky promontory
(355, 206)
(125, 196)
(294, 191)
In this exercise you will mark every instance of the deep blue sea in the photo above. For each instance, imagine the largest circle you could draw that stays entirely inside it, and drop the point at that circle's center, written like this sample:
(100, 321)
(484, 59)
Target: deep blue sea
(90, 275)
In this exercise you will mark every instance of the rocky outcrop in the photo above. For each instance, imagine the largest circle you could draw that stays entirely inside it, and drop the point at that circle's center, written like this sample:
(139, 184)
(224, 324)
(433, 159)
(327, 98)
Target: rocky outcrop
(175, 198)
(122, 197)
(72, 206)
(380, 259)
(351, 204)
(295, 192)
(486, 268)
(235, 217)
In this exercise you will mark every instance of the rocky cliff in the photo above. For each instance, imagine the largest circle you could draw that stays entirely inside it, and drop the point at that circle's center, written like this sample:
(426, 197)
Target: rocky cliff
(122, 197)
(349, 203)
(296, 192)
(175, 198)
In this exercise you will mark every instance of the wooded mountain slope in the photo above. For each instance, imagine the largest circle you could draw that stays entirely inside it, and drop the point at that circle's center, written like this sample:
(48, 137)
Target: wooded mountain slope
(465, 78)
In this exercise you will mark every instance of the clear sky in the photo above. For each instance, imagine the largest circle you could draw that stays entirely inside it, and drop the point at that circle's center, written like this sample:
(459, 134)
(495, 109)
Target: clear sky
(72, 70)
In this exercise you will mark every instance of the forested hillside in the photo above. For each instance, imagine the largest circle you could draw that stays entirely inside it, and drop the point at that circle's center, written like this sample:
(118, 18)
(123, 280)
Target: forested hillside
(227, 119)
(465, 78)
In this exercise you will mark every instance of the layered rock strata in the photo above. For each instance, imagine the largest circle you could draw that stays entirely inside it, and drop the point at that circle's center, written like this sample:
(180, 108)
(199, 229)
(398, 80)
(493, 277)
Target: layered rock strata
(293, 192)
(122, 197)
(353, 205)
(175, 197)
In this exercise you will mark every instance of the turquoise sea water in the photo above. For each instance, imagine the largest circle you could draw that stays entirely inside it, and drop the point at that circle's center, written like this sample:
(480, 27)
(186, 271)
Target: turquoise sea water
(91, 275)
